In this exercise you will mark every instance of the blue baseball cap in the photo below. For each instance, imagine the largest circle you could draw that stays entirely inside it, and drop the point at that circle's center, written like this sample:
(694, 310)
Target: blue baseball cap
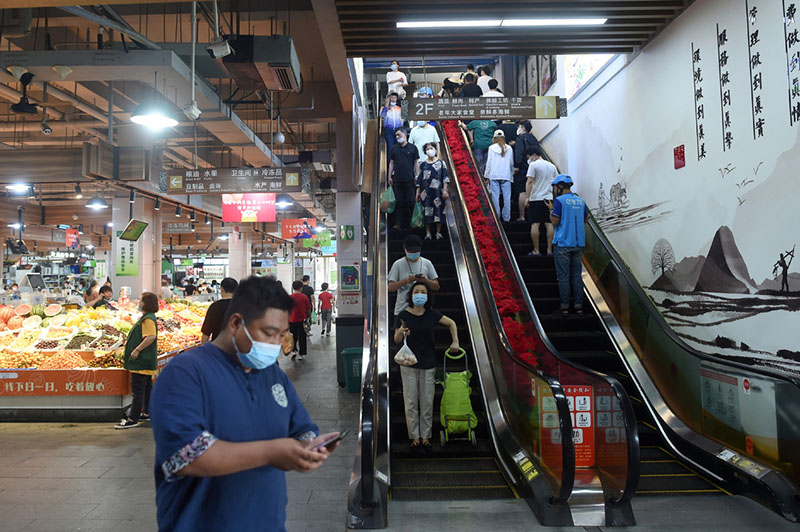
(562, 179)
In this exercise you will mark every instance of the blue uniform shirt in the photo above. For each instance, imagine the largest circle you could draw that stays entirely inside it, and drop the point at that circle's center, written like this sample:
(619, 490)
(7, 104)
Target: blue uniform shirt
(202, 396)
(570, 232)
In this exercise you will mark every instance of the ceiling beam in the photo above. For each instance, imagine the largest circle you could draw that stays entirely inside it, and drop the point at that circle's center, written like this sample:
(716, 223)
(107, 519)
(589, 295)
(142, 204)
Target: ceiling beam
(328, 22)
(10, 4)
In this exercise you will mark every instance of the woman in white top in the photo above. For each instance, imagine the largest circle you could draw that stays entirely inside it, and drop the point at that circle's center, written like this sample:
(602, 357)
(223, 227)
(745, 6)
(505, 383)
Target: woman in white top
(396, 80)
(500, 172)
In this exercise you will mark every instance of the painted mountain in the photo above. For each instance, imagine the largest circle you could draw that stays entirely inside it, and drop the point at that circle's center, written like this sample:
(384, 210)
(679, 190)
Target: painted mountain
(724, 269)
(682, 277)
(775, 284)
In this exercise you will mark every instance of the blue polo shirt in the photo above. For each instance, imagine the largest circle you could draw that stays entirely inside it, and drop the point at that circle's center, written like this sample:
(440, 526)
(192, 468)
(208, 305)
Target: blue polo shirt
(570, 232)
(202, 396)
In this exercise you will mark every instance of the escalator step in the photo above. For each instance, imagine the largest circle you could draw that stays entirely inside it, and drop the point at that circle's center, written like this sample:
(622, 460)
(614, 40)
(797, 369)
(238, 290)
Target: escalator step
(680, 483)
(446, 493)
(478, 463)
(446, 478)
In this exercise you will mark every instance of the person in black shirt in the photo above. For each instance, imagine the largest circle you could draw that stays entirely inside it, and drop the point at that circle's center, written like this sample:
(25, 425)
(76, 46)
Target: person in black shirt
(524, 140)
(418, 324)
(470, 88)
(215, 317)
(403, 166)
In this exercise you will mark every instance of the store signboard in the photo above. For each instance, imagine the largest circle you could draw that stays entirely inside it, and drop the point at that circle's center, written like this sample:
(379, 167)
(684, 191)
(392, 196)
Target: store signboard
(126, 257)
(71, 238)
(298, 227)
(64, 382)
(239, 208)
(527, 107)
(233, 180)
(178, 227)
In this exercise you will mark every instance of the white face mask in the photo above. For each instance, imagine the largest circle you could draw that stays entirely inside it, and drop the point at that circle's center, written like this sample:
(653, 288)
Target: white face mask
(431, 153)
(520, 130)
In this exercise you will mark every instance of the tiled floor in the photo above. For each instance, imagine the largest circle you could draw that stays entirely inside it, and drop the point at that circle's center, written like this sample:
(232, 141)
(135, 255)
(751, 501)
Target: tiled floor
(90, 477)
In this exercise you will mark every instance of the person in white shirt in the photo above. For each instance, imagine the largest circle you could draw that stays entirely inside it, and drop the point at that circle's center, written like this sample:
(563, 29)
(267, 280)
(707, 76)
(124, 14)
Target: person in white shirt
(166, 293)
(540, 196)
(483, 79)
(396, 80)
(500, 172)
(422, 134)
(493, 91)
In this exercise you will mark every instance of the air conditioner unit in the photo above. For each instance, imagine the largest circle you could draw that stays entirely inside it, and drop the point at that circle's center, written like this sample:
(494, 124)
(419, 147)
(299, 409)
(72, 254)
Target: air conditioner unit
(264, 63)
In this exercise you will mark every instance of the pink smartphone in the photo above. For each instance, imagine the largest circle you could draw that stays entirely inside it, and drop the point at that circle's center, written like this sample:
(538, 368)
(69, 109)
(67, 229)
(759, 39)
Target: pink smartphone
(331, 441)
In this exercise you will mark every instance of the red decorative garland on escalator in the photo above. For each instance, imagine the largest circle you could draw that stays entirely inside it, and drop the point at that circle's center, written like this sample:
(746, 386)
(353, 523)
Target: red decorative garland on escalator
(510, 303)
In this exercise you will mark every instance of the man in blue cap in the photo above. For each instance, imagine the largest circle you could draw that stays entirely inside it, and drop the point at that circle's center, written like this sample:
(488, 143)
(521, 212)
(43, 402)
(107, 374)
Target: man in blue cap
(568, 217)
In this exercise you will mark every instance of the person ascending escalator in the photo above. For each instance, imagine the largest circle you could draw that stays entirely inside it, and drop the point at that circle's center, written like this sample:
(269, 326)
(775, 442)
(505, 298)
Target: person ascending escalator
(417, 324)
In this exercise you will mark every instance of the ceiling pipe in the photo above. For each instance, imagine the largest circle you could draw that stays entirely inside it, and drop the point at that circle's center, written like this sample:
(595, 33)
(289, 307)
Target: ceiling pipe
(110, 24)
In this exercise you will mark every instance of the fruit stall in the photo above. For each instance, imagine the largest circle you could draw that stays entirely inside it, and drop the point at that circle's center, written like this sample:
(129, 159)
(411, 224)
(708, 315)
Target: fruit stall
(66, 365)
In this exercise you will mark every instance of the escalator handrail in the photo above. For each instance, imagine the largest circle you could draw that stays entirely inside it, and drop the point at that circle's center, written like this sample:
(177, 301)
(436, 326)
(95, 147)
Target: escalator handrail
(622, 267)
(632, 438)
(562, 405)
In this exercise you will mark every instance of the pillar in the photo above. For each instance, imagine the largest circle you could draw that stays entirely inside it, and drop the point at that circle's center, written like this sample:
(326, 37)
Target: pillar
(350, 312)
(133, 264)
(240, 255)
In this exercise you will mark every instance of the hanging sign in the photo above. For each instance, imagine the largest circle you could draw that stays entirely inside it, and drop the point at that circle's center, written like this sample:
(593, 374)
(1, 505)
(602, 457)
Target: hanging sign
(232, 180)
(72, 238)
(178, 227)
(318, 241)
(238, 208)
(126, 257)
(527, 107)
(298, 227)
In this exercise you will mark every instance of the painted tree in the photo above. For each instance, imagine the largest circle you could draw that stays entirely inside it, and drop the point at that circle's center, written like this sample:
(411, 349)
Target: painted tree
(662, 258)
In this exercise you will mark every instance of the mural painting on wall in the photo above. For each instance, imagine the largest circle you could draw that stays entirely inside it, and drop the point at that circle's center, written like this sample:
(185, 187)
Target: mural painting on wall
(544, 74)
(713, 243)
(533, 75)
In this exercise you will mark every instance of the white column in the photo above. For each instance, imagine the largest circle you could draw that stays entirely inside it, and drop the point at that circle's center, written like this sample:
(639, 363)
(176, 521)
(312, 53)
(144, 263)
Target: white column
(139, 271)
(240, 256)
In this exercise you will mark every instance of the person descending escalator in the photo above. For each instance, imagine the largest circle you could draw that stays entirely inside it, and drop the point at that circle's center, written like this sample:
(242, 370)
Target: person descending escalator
(416, 325)
(431, 185)
(410, 269)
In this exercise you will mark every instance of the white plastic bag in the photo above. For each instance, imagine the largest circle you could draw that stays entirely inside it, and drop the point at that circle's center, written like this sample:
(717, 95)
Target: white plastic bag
(405, 357)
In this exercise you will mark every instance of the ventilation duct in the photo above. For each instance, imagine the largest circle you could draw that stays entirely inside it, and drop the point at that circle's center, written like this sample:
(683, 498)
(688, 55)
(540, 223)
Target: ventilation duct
(264, 63)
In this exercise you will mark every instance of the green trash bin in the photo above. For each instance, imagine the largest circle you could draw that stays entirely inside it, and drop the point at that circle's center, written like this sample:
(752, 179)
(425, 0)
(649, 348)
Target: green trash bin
(352, 368)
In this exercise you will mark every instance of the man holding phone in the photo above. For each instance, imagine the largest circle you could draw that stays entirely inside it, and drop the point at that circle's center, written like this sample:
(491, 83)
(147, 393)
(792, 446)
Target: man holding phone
(411, 269)
(227, 423)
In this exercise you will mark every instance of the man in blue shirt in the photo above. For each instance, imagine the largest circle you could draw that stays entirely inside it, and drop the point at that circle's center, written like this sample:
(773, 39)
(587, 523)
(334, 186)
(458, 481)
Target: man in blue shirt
(568, 217)
(227, 423)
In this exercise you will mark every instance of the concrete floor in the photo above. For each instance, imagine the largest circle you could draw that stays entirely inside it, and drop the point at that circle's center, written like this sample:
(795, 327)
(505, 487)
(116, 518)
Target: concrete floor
(89, 477)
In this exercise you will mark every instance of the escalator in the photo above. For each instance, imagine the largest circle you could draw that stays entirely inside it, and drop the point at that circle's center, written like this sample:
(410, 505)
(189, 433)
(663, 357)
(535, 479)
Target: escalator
(582, 339)
(459, 470)
(522, 409)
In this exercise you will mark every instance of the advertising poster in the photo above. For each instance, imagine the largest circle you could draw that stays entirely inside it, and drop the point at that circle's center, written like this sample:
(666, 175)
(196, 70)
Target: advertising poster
(239, 208)
(319, 241)
(126, 257)
(298, 227)
(72, 239)
(350, 278)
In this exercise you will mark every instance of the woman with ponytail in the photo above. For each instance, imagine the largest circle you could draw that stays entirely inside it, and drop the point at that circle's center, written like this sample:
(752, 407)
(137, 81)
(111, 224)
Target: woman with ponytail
(500, 173)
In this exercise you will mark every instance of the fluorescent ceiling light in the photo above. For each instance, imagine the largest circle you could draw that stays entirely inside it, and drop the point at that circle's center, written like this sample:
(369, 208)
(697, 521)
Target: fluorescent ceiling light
(14, 225)
(110, 224)
(18, 187)
(450, 24)
(223, 237)
(527, 22)
(554, 22)
(97, 203)
(282, 204)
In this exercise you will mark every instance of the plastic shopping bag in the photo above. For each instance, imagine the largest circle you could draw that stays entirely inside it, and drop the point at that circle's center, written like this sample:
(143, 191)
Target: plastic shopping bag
(388, 200)
(314, 317)
(418, 216)
(405, 357)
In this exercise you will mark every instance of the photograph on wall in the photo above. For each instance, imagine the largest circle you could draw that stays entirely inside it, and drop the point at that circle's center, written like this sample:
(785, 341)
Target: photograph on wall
(533, 76)
(544, 74)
